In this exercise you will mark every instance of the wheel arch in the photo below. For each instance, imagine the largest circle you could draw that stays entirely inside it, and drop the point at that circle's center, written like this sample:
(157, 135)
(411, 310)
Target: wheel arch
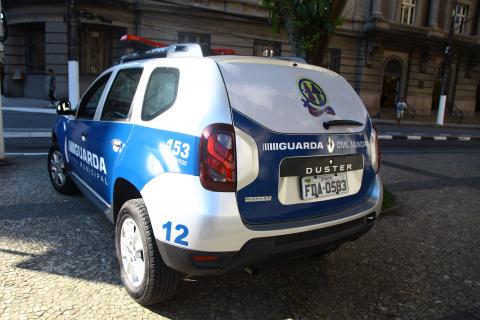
(123, 191)
(54, 138)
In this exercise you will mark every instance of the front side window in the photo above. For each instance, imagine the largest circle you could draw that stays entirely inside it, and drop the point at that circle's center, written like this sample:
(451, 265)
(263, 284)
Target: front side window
(89, 103)
(119, 100)
(461, 14)
(407, 10)
(161, 92)
(265, 48)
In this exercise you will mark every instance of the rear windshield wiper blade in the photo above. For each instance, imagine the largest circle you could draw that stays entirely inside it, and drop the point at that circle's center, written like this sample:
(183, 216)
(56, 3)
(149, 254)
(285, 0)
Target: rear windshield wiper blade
(333, 123)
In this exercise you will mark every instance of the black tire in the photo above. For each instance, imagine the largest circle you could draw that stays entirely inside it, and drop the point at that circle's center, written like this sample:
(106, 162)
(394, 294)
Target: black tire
(159, 281)
(58, 173)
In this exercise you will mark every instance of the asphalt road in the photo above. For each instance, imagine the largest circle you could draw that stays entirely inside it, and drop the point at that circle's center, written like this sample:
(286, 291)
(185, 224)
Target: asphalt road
(420, 262)
(33, 122)
(389, 129)
(21, 121)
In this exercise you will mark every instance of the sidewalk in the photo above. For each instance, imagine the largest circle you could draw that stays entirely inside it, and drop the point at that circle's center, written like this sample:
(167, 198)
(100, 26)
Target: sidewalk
(20, 102)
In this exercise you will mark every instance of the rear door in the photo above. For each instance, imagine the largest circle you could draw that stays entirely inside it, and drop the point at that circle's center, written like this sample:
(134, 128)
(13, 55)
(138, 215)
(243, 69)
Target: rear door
(110, 134)
(302, 140)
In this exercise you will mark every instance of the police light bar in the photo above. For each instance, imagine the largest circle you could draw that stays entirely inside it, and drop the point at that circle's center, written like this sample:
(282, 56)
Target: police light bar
(149, 49)
(223, 51)
(133, 39)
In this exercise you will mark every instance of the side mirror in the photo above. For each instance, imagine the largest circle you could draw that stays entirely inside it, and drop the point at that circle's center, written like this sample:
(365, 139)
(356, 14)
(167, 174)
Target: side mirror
(64, 108)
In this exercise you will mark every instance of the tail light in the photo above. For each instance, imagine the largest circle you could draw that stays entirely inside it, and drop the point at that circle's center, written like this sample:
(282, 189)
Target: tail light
(217, 158)
(375, 150)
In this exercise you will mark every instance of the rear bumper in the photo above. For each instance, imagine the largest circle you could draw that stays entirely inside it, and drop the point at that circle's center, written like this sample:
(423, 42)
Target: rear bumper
(260, 250)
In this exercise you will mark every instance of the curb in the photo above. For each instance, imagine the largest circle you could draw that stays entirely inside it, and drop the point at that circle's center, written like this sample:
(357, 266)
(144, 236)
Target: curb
(432, 138)
(27, 134)
(31, 110)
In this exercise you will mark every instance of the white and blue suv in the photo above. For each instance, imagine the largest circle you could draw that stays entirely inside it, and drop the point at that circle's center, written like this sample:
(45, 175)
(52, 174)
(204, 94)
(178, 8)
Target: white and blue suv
(210, 164)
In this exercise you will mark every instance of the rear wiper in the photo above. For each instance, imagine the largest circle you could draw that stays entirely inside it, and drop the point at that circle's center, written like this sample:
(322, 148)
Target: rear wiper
(332, 123)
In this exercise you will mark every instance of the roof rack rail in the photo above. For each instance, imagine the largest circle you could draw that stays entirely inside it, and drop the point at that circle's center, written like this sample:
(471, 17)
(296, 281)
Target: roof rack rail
(291, 58)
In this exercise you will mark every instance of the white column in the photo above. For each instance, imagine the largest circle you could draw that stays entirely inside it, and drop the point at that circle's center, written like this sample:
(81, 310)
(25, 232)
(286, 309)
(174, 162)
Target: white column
(2, 147)
(448, 14)
(377, 8)
(441, 109)
(392, 10)
(73, 83)
(433, 13)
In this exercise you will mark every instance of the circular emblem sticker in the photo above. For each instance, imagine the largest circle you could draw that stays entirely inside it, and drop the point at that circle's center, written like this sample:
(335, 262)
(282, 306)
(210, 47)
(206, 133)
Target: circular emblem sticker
(314, 99)
(312, 92)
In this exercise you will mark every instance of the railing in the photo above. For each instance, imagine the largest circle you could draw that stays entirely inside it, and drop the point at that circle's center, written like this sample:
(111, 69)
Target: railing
(401, 27)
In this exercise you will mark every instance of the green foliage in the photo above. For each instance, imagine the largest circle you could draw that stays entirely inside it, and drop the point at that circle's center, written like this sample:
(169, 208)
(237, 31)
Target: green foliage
(388, 199)
(306, 21)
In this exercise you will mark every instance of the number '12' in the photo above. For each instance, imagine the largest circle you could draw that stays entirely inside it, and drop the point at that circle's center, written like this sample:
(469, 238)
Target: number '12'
(179, 239)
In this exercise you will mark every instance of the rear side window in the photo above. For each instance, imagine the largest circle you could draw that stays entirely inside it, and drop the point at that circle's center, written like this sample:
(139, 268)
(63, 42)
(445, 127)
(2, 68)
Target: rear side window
(161, 92)
(119, 99)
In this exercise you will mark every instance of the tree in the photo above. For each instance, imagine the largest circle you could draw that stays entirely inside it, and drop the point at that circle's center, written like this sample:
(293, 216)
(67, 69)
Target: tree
(309, 24)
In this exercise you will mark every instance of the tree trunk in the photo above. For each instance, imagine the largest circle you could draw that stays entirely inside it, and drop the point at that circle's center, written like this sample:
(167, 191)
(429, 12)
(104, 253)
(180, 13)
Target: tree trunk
(321, 46)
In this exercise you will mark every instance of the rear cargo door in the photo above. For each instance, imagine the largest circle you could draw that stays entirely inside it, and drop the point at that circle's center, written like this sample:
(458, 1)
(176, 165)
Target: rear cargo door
(302, 140)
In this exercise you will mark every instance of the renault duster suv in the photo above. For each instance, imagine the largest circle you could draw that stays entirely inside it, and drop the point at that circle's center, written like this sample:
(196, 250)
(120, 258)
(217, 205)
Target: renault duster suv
(210, 164)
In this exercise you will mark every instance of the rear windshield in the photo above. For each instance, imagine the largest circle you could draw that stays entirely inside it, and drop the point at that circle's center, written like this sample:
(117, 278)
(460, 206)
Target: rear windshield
(291, 99)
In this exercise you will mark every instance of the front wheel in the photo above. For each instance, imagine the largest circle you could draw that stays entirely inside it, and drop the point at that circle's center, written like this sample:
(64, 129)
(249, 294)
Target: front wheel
(146, 277)
(57, 172)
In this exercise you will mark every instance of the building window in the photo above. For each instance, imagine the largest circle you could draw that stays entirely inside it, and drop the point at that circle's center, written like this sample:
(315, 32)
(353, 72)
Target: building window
(203, 39)
(407, 10)
(265, 48)
(35, 50)
(334, 61)
(461, 14)
(95, 54)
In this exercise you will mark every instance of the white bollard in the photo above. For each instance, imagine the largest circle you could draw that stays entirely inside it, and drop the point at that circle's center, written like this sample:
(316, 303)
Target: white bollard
(441, 109)
(2, 146)
(73, 83)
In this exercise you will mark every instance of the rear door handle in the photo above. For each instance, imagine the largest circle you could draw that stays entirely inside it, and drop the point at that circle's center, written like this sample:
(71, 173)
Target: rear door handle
(84, 137)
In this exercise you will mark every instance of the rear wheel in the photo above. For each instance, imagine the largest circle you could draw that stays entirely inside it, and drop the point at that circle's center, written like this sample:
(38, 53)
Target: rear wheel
(57, 171)
(146, 277)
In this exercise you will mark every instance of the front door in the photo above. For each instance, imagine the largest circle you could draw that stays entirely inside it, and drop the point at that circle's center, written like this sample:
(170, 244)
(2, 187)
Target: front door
(79, 156)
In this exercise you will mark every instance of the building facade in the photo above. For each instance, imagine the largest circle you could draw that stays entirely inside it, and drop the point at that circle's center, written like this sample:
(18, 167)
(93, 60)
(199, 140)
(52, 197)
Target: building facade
(387, 49)
(384, 48)
(39, 36)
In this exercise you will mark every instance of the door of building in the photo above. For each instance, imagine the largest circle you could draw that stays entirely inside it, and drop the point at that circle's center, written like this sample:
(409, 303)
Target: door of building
(392, 76)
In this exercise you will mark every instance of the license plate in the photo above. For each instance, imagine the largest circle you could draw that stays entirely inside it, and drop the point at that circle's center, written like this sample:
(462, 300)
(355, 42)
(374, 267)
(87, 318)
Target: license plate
(314, 187)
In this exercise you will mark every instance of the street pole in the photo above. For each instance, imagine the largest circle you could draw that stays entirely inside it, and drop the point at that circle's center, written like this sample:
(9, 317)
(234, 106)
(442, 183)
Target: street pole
(73, 77)
(2, 145)
(447, 62)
